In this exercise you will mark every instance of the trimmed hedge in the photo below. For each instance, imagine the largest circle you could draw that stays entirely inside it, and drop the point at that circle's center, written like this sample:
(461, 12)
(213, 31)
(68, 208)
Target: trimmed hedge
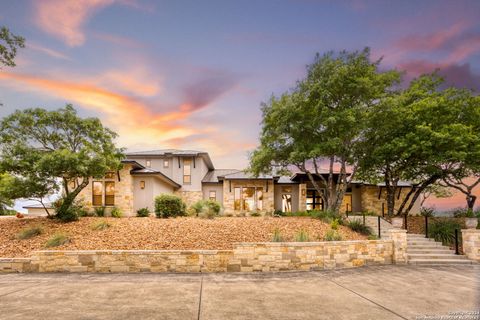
(167, 205)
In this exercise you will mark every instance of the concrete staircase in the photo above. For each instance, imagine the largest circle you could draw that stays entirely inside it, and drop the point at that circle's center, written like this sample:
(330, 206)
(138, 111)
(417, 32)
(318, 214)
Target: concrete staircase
(426, 251)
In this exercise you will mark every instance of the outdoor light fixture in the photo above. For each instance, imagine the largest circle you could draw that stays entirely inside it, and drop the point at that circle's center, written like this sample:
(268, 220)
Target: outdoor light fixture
(142, 184)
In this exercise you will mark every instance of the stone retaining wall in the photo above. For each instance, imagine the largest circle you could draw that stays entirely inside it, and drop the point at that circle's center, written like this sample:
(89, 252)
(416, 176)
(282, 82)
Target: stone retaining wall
(245, 257)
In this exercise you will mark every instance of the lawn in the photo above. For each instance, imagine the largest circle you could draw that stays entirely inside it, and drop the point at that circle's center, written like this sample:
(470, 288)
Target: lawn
(153, 233)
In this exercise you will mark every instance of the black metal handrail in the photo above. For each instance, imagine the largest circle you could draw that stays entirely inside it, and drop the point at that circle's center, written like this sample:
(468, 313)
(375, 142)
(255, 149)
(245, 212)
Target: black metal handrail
(456, 242)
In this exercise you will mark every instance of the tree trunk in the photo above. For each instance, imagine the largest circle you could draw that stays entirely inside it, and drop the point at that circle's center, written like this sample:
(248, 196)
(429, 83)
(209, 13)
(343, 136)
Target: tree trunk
(323, 195)
(419, 191)
(471, 201)
(63, 212)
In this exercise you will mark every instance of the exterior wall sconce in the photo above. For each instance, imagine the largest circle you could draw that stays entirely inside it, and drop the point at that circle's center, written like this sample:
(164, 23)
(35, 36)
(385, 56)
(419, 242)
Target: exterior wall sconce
(142, 184)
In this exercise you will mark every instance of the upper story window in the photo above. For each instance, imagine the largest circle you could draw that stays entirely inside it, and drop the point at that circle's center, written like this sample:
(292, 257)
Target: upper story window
(187, 171)
(212, 195)
(148, 163)
(166, 163)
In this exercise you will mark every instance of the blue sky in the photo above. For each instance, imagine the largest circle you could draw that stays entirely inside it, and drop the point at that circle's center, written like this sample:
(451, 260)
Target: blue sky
(192, 74)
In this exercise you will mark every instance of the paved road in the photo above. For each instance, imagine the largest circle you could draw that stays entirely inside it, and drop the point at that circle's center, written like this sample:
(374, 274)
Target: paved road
(388, 292)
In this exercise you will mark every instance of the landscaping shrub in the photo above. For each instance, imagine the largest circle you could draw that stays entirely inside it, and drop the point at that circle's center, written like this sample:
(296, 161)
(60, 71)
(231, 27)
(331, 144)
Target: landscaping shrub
(332, 235)
(459, 212)
(427, 212)
(277, 236)
(143, 212)
(169, 206)
(116, 212)
(327, 216)
(443, 230)
(358, 226)
(255, 214)
(206, 208)
(372, 237)
(100, 211)
(302, 236)
(334, 224)
(56, 240)
(72, 213)
(101, 225)
(279, 213)
(28, 233)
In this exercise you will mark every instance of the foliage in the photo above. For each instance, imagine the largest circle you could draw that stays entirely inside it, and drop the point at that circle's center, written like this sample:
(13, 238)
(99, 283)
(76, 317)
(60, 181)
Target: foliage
(9, 43)
(358, 226)
(427, 212)
(462, 213)
(57, 239)
(327, 216)
(167, 205)
(72, 213)
(206, 208)
(443, 230)
(302, 236)
(320, 119)
(372, 237)
(116, 212)
(143, 212)
(420, 134)
(332, 235)
(334, 224)
(49, 150)
(100, 211)
(277, 236)
(101, 225)
(30, 232)
(279, 213)
(255, 214)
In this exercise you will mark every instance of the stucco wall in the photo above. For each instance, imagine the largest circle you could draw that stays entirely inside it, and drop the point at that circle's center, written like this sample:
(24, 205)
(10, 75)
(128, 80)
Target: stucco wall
(217, 187)
(153, 187)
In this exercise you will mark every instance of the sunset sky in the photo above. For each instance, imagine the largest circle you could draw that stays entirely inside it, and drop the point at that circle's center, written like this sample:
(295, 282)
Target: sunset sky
(192, 74)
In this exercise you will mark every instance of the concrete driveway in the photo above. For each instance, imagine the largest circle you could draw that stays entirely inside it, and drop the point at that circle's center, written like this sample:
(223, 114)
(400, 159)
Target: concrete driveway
(388, 292)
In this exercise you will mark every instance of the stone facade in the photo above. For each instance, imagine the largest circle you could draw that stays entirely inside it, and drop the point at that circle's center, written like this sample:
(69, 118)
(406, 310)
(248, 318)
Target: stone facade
(229, 195)
(399, 238)
(123, 192)
(245, 257)
(302, 197)
(189, 197)
(471, 243)
(371, 202)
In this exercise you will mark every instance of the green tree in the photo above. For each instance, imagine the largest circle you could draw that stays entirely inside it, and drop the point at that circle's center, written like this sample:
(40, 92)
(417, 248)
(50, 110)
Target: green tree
(466, 182)
(420, 134)
(321, 121)
(9, 43)
(50, 150)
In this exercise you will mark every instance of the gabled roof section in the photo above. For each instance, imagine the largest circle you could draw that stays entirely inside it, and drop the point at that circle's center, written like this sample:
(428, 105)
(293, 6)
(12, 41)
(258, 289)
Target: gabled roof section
(134, 163)
(151, 172)
(212, 176)
(242, 175)
(174, 152)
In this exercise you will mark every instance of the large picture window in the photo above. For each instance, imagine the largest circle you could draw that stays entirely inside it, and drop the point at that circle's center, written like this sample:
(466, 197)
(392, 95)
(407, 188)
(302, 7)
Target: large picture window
(187, 171)
(97, 193)
(314, 201)
(247, 198)
(286, 202)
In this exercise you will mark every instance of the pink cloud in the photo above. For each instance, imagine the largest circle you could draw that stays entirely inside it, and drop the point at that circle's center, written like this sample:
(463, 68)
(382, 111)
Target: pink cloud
(47, 51)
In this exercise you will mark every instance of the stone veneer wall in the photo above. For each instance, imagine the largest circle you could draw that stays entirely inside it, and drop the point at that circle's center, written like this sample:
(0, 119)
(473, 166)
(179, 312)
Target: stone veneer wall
(123, 192)
(471, 243)
(302, 197)
(189, 197)
(245, 257)
(370, 201)
(228, 194)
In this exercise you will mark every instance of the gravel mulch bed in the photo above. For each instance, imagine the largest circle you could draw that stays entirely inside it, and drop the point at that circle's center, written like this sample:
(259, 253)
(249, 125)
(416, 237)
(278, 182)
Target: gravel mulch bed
(152, 233)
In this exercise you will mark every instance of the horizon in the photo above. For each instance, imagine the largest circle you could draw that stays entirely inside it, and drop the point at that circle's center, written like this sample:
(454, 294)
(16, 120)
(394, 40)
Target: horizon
(190, 75)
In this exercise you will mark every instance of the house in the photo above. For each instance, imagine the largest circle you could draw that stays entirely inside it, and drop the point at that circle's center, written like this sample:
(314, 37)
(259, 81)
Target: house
(192, 176)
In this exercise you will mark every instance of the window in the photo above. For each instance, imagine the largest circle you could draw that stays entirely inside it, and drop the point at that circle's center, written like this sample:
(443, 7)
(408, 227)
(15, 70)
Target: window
(314, 201)
(247, 198)
(142, 184)
(97, 193)
(212, 195)
(286, 202)
(166, 163)
(148, 163)
(109, 193)
(187, 171)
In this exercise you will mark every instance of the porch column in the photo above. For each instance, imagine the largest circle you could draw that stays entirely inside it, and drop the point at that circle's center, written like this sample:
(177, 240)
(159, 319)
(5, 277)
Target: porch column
(302, 197)
(471, 243)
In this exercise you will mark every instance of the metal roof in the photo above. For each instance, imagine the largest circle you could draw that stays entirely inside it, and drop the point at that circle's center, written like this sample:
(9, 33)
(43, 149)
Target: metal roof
(244, 175)
(212, 176)
(173, 152)
(147, 171)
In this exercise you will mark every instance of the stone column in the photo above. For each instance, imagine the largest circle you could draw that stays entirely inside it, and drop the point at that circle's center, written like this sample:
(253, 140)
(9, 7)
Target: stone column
(399, 239)
(471, 243)
(302, 197)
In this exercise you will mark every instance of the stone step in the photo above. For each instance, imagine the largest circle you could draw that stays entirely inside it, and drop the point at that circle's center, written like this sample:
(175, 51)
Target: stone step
(435, 256)
(427, 247)
(422, 241)
(439, 261)
(440, 250)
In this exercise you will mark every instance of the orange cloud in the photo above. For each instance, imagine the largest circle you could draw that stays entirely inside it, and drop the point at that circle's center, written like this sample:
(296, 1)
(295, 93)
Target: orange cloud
(65, 19)
(130, 117)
